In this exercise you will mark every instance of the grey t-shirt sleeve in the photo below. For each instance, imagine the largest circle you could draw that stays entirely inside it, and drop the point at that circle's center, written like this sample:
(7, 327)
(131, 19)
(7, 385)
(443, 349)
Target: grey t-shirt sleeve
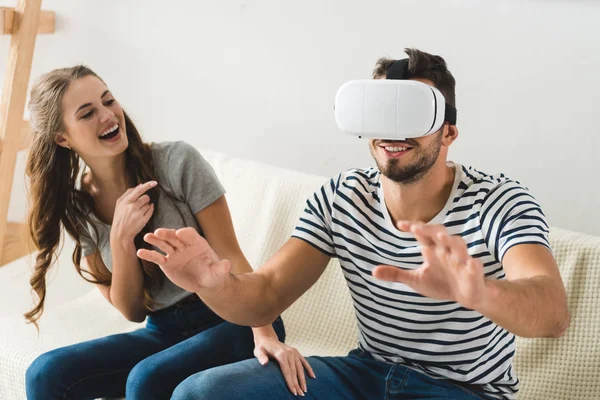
(88, 244)
(192, 178)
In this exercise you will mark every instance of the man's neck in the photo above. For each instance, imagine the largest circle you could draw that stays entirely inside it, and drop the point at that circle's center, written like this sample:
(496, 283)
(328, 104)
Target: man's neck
(421, 200)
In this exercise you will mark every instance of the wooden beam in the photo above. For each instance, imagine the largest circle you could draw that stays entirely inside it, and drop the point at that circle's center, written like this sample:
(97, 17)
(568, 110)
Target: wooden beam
(14, 94)
(17, 243)
(25, 137)
(7, 21)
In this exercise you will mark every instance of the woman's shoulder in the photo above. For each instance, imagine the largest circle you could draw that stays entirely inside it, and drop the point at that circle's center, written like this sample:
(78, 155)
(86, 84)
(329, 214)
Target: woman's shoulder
(165, 153)
(166, 148)
(171, 159)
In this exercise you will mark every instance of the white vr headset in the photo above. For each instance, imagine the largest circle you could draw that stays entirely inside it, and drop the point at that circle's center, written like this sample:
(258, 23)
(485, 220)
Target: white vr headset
(392, 108)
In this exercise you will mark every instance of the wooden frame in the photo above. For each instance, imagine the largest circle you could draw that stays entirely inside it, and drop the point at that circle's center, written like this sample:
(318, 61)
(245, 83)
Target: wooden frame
(7, 21)
(23, 23)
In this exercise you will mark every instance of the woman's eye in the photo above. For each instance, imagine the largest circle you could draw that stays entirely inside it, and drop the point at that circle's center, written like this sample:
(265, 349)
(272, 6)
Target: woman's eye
(87, 115)
(110, 102)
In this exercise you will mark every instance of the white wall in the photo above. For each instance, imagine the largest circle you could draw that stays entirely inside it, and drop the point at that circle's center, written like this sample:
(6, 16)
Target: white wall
(257, 78)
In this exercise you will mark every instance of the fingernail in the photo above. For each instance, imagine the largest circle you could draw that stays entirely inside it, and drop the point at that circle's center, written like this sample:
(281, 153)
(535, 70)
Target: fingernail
(295, 393)
(153, 183)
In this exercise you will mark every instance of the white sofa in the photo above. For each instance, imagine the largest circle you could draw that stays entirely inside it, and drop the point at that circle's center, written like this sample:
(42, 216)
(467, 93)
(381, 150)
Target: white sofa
(265, 203)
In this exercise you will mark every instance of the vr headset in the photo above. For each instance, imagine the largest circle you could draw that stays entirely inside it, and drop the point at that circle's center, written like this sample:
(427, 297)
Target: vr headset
(392, 108)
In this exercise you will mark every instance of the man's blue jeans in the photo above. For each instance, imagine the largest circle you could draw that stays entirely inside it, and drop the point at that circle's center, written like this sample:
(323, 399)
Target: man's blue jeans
(145, 364)
(356, 376)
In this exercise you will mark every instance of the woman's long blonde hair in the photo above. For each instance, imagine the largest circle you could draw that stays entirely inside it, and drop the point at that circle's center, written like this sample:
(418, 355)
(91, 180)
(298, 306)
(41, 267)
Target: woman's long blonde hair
(56, 202)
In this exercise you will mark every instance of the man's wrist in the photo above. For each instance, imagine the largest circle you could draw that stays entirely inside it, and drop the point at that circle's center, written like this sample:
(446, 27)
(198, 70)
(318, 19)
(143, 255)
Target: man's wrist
(488, 297)
(216, 291)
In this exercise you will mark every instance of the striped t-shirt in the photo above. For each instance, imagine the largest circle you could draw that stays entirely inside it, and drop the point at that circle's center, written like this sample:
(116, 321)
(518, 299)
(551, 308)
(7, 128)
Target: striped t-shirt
(347, 218)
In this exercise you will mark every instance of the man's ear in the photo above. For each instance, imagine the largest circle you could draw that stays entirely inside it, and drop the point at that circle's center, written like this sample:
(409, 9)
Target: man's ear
(61, 140)
(449, 135)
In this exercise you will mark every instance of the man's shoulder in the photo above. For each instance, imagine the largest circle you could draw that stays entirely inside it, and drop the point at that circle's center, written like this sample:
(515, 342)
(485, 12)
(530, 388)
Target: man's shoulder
(474, 180)
(366, 178)
(351, 184)
(486, 189)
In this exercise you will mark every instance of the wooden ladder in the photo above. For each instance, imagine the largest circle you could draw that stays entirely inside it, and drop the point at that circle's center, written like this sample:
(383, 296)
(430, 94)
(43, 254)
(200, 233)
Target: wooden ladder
(24, 23)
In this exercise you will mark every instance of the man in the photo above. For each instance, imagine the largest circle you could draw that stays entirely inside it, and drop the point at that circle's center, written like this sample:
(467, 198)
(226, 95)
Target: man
(465, 254)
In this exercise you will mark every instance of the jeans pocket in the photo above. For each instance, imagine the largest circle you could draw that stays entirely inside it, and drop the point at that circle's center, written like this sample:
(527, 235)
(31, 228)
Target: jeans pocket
(468, 390)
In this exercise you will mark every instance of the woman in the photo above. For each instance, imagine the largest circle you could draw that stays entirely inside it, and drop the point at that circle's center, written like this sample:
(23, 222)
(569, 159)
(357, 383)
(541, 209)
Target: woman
(127, 189)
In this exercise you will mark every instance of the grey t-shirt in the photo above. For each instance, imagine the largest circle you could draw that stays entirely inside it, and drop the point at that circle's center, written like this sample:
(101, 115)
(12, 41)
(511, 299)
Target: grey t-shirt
(192, 184)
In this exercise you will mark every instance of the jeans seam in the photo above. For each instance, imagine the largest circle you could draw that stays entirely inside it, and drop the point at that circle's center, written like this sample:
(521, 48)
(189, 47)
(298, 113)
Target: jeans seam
(387, 381)
(88, 377)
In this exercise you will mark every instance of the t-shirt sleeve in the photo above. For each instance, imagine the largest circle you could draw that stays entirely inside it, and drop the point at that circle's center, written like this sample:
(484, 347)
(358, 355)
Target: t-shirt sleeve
(314, 226)
(88, 244)
(192, 178)
(511, 216)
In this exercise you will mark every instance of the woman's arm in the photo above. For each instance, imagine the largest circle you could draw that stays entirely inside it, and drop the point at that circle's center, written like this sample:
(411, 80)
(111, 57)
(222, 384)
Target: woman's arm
(126, 282)
(126, 292)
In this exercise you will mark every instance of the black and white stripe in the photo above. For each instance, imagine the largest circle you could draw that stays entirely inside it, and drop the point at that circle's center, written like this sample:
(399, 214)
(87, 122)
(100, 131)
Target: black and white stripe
(347, 219)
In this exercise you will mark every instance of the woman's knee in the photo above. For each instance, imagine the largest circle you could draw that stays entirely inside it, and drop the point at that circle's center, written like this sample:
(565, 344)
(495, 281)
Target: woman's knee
(200, 386)
(144, 381)
(228, 381)
(45, 373)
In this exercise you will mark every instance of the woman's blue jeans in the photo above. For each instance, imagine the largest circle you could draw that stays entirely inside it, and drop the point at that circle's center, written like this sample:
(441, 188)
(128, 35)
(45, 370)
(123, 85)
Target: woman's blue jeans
(148, 363)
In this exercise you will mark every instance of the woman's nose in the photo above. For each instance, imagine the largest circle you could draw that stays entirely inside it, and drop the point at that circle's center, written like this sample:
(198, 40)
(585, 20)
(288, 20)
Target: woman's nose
(106, 114)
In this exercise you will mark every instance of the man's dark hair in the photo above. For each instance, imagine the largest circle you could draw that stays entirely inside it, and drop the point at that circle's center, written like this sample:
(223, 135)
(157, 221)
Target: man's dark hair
(423, 65)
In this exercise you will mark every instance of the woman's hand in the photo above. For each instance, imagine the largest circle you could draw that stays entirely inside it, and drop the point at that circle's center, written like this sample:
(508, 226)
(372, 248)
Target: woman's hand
(132, 213)
(291, 362)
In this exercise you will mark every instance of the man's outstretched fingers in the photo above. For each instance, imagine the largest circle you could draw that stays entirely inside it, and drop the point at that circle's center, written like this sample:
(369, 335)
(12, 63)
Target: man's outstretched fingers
(474, 265)
(152, 256)
(393, 274)
(443, 245)
(155, 241)
(442, 238)
(458, 249)
(422, 233)
(188, 236)
(168, 235)
(403, 226)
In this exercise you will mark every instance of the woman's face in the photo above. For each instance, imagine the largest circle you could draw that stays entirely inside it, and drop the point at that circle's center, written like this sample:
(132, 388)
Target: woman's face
(93, 119)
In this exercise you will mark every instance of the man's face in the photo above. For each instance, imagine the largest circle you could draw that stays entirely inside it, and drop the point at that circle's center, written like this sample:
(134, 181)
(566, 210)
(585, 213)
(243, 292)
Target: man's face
(406, 161)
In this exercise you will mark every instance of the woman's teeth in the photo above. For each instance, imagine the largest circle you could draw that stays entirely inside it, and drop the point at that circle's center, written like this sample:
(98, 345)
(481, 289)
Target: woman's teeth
(109, 130)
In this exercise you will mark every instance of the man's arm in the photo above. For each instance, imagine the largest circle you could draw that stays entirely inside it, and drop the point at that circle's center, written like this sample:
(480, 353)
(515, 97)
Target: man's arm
(530, 303)
(272, 288)
(253, 298)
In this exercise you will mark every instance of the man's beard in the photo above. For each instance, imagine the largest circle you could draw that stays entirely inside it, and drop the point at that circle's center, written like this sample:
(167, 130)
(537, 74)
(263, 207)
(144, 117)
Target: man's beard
(408, 174)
